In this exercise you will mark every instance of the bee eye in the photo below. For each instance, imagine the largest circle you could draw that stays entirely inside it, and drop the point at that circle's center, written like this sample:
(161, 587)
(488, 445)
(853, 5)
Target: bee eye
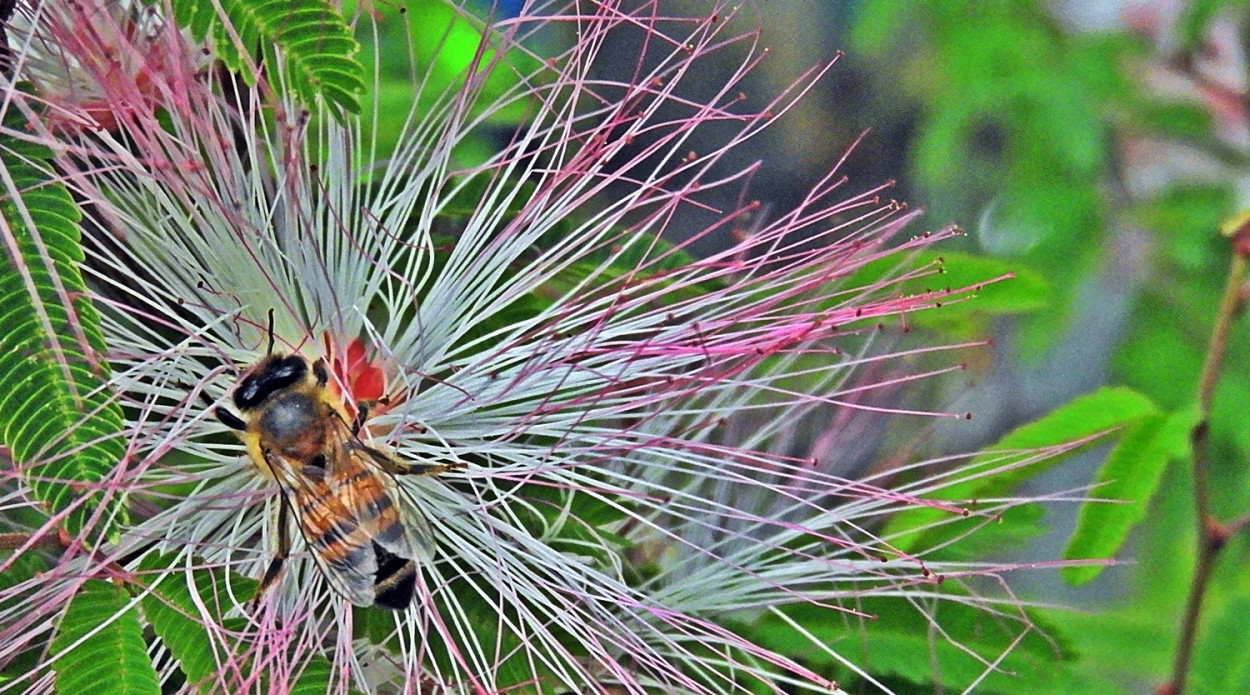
(271, 377)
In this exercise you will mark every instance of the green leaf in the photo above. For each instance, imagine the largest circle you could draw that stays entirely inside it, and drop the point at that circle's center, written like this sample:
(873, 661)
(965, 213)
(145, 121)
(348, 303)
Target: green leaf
(1185, 218)
(1126, 644)
(1129, 477)
(1195, 19)
(59, 423)
(997, 287)
(314, 679)
(1026, 290)
(1219, 666)
(26, 665)
(490, 613)
(1156, 339)
(1164, 558)
(1001, 286)
(980, 537)
(991, 474)
(896, 639)
(171, 608)
(110, 659)
(1183, 120)
(317, 46)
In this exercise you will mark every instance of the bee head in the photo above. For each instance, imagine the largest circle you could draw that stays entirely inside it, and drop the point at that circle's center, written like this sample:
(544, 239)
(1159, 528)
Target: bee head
(271, 375)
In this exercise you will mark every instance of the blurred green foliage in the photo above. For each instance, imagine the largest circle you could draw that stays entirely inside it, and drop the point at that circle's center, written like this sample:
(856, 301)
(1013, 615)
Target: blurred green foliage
(449, 56)
(1076, 158)
(1014, 114)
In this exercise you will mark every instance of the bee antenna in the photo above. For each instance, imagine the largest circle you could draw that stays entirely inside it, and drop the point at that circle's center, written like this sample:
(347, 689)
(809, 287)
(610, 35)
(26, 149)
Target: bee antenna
(270, 351)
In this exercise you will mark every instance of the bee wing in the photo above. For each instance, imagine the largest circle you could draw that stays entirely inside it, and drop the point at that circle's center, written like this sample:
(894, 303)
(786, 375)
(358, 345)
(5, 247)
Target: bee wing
(419, 540)
(347, 514)
(371, 491)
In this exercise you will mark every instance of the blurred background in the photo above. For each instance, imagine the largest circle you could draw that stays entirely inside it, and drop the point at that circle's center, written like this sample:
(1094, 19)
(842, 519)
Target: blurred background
(1096, 146)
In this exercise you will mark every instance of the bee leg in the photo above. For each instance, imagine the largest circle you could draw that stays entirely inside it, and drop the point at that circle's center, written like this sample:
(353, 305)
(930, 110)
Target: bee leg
(270, 350)
(284, 550)
(397, 467)
(229, 419)
(319, 371)
(362, 414)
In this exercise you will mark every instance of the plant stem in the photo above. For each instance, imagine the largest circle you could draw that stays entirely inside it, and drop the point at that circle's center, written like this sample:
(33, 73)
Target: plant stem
(1212, 535)
(13, 541)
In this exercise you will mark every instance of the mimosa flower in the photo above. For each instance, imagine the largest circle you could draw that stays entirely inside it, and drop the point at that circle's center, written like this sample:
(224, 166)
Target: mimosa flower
(620, 415)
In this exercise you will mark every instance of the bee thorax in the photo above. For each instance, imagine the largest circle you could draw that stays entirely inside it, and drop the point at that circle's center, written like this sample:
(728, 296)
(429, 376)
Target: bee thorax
(291, 422)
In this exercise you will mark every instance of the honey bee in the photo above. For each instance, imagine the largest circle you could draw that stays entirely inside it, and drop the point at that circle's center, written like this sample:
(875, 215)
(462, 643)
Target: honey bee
(341, 490)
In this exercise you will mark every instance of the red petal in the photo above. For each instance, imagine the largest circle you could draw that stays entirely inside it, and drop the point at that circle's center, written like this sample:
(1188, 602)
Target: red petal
(369, 384)
(356, 355)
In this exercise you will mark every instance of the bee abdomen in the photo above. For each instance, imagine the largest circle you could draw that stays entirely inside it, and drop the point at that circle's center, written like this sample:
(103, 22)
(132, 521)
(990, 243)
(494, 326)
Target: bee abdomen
(395, 580)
